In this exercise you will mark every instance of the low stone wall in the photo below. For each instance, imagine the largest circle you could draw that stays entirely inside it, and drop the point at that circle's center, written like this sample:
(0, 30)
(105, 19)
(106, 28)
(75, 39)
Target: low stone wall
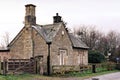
(69, 68)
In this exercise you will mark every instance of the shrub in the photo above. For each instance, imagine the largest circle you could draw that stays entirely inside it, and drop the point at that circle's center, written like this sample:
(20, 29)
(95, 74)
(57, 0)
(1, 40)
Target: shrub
(118, 66)
(111, 65)
(95, 57)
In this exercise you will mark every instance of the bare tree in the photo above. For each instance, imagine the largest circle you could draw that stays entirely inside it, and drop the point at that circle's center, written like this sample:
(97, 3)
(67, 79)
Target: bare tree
(89, 35)
(97, 40)
(82, 32)
(4, 41)
(113, 43)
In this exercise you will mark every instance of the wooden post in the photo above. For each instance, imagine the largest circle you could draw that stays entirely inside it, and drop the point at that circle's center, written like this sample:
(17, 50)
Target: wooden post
(37, 65)
(35, 61)
(0, 65)
(94, 68)
(5, 66)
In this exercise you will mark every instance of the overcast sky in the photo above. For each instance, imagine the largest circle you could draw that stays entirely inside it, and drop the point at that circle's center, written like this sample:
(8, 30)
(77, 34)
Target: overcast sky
(105, 14)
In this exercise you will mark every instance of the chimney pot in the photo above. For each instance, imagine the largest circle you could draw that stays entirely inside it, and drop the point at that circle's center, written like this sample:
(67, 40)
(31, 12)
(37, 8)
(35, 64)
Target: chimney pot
(56, 14)
(57, 18)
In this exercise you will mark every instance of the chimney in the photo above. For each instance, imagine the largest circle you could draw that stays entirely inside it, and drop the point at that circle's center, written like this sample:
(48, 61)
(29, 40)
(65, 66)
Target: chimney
(57, 18)
(30, 18)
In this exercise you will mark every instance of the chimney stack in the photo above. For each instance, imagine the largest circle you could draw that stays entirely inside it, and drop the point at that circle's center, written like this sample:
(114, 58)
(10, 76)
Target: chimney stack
(57, 18)
(30, 18)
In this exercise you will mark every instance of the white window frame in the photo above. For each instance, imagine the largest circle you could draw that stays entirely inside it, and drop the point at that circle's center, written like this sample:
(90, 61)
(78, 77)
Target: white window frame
(62, 54)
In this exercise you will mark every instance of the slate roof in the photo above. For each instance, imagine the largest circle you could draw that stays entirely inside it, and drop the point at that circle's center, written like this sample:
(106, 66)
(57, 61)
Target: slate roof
(4, 50)
(77, 43)
(48, 32)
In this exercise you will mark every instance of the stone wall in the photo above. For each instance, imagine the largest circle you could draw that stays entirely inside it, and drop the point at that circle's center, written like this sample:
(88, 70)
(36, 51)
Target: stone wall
(80, 57)
(61, 42)
(4, 54)
(21, 47)
(40, 48)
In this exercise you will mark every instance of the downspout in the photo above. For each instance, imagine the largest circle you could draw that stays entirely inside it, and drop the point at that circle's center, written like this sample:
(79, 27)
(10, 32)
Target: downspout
(32, 43)
(48, 59)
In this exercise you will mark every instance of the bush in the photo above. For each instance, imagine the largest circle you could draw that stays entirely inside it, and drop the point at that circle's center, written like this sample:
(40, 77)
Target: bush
(118, 66)
(111, 65)
(95, 57)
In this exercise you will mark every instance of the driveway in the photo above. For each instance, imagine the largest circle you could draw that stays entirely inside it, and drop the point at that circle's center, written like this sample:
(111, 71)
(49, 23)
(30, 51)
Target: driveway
(111, 76)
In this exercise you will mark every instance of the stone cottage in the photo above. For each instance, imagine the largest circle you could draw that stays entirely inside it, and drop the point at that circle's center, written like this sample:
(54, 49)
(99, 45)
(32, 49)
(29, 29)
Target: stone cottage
(52, 42)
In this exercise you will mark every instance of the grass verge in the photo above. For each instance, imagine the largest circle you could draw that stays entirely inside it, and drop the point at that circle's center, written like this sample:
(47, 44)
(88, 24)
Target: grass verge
(89, 74)
(38, 77)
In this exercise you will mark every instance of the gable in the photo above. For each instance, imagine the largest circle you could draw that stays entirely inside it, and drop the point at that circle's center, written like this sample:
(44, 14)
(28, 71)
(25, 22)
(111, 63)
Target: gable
(62, 35)
(16, 37)
(22, 44)
(48, 32)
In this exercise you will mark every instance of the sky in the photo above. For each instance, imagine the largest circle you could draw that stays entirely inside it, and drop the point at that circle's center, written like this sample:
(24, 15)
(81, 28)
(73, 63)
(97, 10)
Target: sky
(104, 14)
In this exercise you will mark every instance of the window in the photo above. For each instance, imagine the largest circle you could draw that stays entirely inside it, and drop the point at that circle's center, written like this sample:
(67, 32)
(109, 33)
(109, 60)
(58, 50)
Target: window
(80, 57)
(63, 56)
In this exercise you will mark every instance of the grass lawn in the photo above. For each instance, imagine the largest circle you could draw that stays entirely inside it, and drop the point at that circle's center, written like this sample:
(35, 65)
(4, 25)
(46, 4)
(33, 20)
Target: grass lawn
(38, 77)
(24, 77)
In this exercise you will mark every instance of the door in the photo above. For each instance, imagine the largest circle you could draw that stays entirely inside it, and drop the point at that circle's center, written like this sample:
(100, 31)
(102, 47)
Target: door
(63, 57)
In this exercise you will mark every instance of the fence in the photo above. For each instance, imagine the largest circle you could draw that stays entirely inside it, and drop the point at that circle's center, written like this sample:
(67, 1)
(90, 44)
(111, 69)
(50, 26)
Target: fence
(33, 66)
(62, 69)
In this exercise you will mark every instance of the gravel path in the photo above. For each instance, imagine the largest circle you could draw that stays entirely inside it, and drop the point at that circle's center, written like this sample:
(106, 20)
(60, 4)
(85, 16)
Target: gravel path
(111, 76)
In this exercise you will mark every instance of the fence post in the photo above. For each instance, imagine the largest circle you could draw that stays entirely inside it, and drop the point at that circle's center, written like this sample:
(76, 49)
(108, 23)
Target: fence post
(35, 66)
(5, 66)
(0, 64)
(94, 68)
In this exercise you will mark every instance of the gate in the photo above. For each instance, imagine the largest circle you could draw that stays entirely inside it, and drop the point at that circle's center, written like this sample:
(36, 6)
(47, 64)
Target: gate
(18, 66)
(21, 66)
